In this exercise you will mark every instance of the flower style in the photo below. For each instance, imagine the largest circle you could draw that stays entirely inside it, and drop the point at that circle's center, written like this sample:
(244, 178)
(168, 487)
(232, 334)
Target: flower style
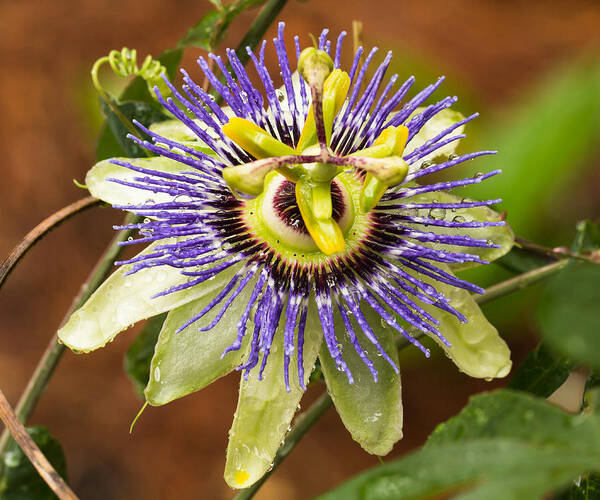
(298, 231)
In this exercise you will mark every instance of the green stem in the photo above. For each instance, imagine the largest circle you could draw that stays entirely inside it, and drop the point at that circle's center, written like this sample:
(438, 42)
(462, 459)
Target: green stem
(556, 253)
(259, 26)
(45, 368)
(521, 281)
(302, 425)
(255, 33)
(108, 99)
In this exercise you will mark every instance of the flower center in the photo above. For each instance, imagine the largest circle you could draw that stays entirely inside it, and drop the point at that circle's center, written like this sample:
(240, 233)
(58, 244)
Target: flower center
(274, 215)
(280, 213)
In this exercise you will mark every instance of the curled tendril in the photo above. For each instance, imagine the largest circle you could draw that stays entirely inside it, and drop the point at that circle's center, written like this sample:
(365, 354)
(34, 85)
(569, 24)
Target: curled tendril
(124, 64)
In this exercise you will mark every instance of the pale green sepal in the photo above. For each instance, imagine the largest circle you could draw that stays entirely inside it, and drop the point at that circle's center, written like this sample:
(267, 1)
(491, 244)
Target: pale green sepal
(498, 235)
(477, 349)
(189, 360)
(175, 130)
(118, 194)
(265, 409)
(371, 411)
(123, 300)
(435, 125)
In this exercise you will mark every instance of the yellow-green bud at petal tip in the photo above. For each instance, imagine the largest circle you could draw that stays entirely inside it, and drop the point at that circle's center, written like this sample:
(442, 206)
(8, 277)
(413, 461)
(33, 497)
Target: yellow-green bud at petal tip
(315, 66)
(335, 90)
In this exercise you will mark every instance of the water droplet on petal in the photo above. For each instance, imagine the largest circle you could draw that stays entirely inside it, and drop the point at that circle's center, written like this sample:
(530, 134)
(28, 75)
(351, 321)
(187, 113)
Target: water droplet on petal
(437, 213)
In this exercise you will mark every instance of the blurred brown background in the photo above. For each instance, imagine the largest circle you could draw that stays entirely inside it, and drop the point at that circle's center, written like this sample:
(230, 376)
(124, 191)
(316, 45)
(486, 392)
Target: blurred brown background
(496, 49)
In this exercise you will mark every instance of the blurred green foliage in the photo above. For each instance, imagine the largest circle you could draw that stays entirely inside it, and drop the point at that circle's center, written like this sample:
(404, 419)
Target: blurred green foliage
(212, 28)
(20, 480)
(140, 352)
(502, 445)
(545, 142)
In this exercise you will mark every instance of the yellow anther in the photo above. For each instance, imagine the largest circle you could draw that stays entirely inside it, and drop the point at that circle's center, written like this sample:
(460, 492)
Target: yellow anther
(335, 90)
(389, 145)
(254, 139)
(260, 144)
(391, 142)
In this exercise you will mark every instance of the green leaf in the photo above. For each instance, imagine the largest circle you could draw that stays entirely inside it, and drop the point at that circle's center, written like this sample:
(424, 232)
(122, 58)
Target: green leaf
(142, 112)
(97, 180)
(588, 237)
(124, 300)
(569, 314)
(521, 416)
(370, 410)
(212, 28)
(140, 352)
(265, 408)
(20, 480)
(189, 360)
(542, 372)
(502, 446)
(204, 33)
(583, 488)
(586, 487)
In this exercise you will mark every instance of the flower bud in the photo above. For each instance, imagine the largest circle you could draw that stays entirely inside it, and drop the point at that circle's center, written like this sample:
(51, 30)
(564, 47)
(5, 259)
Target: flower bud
(315, 66)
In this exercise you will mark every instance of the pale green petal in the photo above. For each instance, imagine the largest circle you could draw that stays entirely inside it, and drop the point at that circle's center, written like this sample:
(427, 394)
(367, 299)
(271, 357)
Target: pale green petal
(477, 349)
(499, 235)
(189, 360)
(176, 130)
(265, 409)
(435, 125)
(371, 411)
(122, 301)
(118, 194)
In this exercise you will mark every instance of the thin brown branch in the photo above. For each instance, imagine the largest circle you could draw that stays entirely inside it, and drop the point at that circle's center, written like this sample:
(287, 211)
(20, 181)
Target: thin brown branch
(555, 253)
(47, 364)
(41, 230)
(33, 453)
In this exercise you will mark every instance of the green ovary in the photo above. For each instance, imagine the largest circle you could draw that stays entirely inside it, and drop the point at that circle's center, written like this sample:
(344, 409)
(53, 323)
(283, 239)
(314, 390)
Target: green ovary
(274, 217)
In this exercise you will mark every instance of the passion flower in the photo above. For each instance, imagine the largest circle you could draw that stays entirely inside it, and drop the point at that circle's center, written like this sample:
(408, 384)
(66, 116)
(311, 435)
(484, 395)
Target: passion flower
(282, 234)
